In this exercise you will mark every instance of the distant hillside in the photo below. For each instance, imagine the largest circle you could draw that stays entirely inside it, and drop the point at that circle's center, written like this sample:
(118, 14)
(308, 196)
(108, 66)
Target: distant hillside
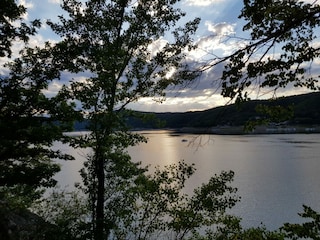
(306, 112)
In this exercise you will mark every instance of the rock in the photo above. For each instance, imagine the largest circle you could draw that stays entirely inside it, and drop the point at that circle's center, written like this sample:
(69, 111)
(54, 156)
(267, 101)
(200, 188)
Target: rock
(21, 224)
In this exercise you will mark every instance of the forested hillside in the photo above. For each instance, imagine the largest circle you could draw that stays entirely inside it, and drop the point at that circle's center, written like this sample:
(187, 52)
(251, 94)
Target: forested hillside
(306, 111)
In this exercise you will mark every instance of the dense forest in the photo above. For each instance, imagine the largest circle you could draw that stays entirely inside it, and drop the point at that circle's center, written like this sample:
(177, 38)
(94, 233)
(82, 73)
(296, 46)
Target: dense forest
(305, 107)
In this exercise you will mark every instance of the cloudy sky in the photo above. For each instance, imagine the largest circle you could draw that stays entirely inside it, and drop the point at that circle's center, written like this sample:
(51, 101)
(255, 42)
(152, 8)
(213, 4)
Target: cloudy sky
(219, 18)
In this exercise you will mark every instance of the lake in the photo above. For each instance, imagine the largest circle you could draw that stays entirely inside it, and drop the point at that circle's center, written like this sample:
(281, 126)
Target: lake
(274, 174)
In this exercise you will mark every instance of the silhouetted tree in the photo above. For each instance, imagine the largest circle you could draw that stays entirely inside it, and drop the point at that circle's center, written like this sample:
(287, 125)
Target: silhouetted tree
(28, 119)
(119, 44)
(282, 48)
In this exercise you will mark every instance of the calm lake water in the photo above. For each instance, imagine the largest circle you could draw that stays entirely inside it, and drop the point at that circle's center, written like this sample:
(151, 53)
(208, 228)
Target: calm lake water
(275, 174)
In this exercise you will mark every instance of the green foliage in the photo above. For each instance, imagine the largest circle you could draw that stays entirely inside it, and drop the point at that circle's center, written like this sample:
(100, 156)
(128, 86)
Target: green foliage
(237, 233)
(259, 233)
(151, 206)
(276, 113)
(299, 109)
(26, 133)
(159, 201)
(162, 210)
(28, 118)
(289, 26)
(11, 16)
(159, 209)
(271, 114)
(307, 230)
(67, 212)
(20, 223)
(111, 40)
(120, 173)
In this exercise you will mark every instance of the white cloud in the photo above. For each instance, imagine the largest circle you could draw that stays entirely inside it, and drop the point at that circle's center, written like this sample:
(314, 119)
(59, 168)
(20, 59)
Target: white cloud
(54, 87)
(157, 45)
(218, 40)
(17, 46)
(212, 46)
(202, 2)
(55, 1)
(180, 104)
(220, 29)
(310, 1)
(26, 4)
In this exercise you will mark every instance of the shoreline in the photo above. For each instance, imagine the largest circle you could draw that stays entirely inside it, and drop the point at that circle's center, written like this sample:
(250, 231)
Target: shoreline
(239, 130)
(226, 130)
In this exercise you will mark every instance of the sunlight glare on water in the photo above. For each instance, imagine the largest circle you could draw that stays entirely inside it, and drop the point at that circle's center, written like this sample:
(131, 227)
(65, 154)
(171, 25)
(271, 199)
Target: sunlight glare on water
(275, 174)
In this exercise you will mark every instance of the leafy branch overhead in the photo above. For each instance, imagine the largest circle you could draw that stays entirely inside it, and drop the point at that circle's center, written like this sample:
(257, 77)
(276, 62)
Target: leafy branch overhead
(290, 27)
(116, 42)
(13, 27)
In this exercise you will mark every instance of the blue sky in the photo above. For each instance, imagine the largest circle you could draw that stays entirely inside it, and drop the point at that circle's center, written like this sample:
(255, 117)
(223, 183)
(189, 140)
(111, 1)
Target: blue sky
(218, 19)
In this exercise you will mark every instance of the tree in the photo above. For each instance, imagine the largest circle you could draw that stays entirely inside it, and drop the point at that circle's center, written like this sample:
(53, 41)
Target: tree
(112, 41)
(159, 208)
(162, 209)
(29, 124)
(307, 230)
(27, 132)
(290, 27)
(11, 13)
(66, 212)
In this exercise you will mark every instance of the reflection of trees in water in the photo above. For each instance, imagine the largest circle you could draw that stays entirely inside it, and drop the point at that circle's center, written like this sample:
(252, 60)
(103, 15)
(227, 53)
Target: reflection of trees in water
(200, 141)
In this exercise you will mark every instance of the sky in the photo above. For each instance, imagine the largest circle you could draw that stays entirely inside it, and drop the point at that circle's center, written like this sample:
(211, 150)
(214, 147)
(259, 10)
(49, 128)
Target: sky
(219, 18)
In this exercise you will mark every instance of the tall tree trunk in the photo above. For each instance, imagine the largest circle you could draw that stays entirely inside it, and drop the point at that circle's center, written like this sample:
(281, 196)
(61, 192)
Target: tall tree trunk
(100, 229)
